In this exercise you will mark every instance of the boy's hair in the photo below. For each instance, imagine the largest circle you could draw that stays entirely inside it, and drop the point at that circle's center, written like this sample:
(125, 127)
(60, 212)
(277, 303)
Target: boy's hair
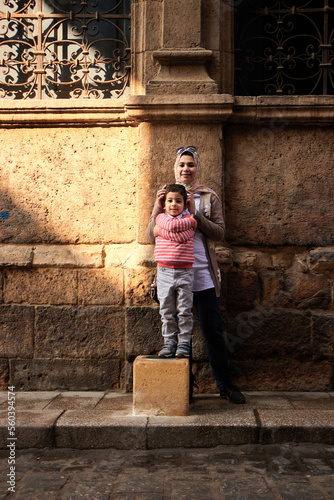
(177, 188)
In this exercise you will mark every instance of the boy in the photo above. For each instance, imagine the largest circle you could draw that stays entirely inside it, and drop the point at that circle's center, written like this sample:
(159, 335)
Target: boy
(174, 232)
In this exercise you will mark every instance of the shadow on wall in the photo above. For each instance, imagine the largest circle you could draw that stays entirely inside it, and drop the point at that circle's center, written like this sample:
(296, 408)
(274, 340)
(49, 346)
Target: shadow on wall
(64, 306)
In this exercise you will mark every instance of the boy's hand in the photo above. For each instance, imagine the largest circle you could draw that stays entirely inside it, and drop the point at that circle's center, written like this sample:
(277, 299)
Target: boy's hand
(156, 231)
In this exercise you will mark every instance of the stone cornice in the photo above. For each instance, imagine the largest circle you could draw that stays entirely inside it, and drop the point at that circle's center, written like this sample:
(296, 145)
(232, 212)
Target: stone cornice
(61, 113)
(131, 110)
(301, 110)
(187, 108)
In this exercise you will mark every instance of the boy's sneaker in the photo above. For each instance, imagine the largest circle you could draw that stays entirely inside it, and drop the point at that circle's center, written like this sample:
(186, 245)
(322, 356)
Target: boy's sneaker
(183, 350)
(168, 350)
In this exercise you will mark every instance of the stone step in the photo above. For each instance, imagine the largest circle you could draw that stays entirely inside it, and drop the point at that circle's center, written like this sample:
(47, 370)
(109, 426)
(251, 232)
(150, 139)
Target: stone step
(87, 420)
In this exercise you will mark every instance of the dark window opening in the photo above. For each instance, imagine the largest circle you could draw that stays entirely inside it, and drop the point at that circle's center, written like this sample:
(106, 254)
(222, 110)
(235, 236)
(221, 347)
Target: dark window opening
(284, 48)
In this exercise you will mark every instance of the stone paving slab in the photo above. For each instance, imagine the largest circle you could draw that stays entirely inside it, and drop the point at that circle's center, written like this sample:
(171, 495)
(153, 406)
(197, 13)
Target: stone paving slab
(75, 400)
(119, 404)
(30, 400)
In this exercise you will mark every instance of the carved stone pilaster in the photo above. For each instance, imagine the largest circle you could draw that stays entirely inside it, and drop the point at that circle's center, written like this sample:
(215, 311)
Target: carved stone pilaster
(182, 71)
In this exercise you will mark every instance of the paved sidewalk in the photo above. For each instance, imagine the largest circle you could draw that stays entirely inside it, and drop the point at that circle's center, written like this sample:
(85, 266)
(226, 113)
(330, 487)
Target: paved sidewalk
(245, 472)
(85, 420)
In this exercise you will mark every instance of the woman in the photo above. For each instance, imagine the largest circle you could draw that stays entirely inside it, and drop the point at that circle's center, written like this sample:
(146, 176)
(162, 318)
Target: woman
(205, 204)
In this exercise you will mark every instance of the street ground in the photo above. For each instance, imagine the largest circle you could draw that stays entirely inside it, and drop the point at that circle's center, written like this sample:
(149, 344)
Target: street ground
(244, 472)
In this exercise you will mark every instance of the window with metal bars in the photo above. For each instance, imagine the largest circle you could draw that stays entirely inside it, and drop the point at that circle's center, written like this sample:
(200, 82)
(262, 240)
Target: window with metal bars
(64, 49)
(284, 48)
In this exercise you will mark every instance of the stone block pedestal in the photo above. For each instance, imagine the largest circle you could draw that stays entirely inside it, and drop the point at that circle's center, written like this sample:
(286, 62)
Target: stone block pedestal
(160, 386)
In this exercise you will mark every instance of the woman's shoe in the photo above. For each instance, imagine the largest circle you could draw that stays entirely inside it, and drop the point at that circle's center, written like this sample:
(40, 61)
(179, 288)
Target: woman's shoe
(232, 393)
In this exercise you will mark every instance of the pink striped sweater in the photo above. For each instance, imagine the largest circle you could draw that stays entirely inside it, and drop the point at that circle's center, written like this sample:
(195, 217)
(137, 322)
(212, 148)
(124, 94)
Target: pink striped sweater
(174, 245)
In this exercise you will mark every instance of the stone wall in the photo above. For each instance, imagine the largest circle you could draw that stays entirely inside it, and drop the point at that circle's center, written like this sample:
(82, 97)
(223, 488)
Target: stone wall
(279, 287)
(76, 267)
(78, 182)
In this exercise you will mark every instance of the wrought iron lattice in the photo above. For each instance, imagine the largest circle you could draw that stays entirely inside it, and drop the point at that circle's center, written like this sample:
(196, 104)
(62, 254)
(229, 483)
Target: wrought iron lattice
(63, 49)
(284, 48)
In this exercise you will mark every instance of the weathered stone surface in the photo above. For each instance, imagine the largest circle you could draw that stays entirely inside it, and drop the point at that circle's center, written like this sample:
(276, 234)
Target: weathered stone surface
(16, 331)
(315, 426)
(224, 256)
(203, 377)
(138, 286)
(322, 259)
(68, 374)
(266, 333)
(242, 290)
(79, 332)
(34, 429)
(16, 255)
(143, 257)
(160, 386)
(172, 35)
(156, 160)
(282, 258)
(117, 402)
(34, 400)
(69, 185)
(143, 331)
(228, 427)
(100, 429)
(308, 290)
(251, 260)
(271, 284)
(100, 287)
(323, 335)
(274, 196)
(76, 400)
(275, 374)
(1, 285)
(129, 255)
(40, 286)
(4, 373)
(68, 256)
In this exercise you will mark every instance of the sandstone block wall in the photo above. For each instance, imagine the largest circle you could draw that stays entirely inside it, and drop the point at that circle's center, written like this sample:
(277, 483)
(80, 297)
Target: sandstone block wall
(74, 295)
(65, 192)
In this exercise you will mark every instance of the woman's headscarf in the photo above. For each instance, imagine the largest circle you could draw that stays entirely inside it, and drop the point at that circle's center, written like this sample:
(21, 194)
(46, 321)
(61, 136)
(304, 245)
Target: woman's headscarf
(194, 186)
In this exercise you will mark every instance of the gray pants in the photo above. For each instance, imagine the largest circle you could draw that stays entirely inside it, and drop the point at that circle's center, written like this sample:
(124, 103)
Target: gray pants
(176, 300)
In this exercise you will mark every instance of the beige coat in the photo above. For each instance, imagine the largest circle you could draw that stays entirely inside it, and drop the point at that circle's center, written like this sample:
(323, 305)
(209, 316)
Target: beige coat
(211, 223)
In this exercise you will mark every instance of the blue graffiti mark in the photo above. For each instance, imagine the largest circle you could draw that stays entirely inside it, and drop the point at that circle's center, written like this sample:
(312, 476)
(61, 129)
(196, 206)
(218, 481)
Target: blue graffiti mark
(4, 216)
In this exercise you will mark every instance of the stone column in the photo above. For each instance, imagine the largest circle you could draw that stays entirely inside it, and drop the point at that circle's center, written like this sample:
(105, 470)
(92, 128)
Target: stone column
(181, 59)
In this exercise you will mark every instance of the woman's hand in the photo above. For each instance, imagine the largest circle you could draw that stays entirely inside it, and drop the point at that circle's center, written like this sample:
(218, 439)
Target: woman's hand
(160, 196)
(191, 203)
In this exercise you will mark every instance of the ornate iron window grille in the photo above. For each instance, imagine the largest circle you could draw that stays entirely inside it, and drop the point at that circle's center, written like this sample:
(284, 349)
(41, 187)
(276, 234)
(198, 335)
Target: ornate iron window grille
(63, 49)
(284, 49)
